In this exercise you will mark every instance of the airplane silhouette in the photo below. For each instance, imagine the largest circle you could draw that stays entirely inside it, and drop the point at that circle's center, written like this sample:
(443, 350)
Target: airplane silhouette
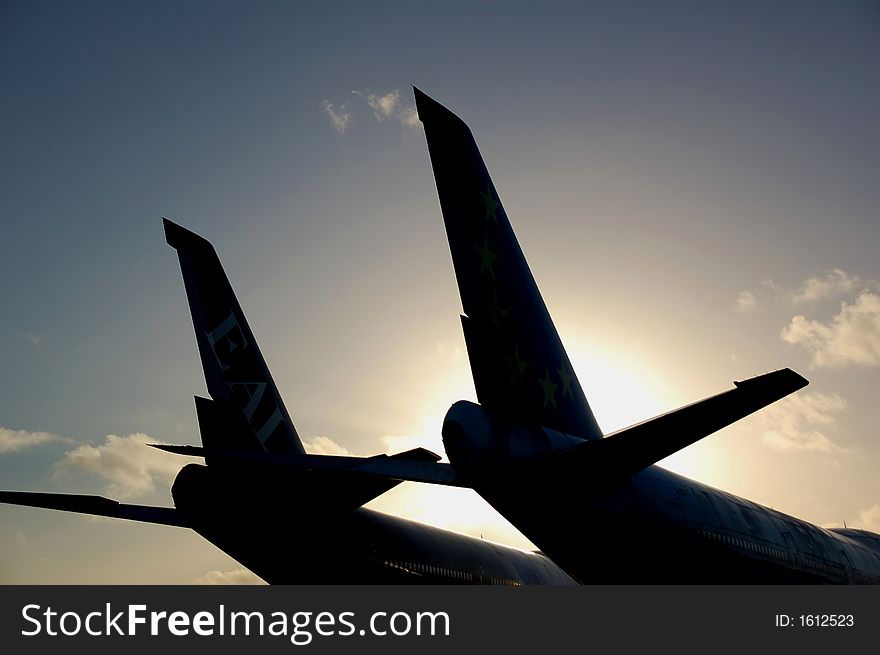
(596, 505)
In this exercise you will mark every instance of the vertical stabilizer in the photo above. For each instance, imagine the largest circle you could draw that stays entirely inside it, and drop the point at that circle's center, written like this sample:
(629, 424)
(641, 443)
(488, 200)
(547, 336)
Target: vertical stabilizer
(235, 372)
(519, 365)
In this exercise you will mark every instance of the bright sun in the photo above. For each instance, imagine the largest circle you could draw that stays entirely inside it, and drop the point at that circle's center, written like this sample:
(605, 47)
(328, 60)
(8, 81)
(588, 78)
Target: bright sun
(618, 392)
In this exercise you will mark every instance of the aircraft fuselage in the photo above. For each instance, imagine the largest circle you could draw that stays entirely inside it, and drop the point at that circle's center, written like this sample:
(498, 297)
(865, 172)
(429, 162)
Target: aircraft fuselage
(660, 527)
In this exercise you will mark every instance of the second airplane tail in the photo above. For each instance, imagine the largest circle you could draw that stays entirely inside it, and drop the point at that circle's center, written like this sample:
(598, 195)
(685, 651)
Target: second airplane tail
(247, 412)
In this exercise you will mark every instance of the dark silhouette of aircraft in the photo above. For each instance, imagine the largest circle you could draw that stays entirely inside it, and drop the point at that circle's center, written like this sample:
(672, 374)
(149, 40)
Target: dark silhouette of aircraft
(596, 505)
(288, 516)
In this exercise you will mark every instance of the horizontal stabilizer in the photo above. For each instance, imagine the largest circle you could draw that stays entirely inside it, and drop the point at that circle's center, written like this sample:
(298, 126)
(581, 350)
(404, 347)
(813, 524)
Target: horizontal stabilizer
(634, 448)
(95, 505)
(418, 465)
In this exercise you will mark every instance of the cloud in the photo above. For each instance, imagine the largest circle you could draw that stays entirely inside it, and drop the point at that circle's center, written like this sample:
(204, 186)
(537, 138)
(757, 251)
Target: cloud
(388, 105)
(13, 441)
(851, 337)
(126, 464)
(325, 446)
(801, 422)
(834, 283)
(36, 339)
(233, 577)
(868, 519)
(383, 105)
(340, 117)
(745, 302)
(409, 117)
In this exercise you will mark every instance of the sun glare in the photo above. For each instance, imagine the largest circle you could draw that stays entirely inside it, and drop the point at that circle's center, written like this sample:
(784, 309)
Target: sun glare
(618, 392)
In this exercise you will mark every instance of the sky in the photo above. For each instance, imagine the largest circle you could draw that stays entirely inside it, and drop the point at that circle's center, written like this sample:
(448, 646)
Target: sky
(694, 184)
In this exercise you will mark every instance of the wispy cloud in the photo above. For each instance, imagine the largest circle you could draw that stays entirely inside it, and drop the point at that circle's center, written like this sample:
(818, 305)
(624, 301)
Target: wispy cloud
(868, 519)
(128, 467)
(802, 422)
(384, 106)
(233, 577)
(409, 117)
(321, 445)
(36, 339)
(745, 302)
(827, 285)
(833, 283)
(13, 441)
(340, 117)
(851, 337)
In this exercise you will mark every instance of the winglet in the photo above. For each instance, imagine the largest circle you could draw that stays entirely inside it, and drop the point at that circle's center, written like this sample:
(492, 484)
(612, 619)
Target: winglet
(774, 382)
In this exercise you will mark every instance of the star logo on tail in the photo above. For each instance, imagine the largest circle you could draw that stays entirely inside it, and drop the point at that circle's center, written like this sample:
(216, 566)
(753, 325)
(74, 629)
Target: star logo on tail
(549, 389)
(491, 204)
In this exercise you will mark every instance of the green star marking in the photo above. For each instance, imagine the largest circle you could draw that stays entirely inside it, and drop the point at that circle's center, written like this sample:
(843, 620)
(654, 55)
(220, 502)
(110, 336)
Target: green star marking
(565, 376)
(491, 204)
(487, 257)
(520, 364)
(549, 389)
(496, 313)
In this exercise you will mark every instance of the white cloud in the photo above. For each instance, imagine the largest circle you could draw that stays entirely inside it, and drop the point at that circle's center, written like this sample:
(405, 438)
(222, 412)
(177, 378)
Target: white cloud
(868, 519)
(834, 283)
(340, 117)
(745, 302)
(409, 117)
(830, 284)
(12, 441)
(851, 337)
(321, 445)
(383, 105)
(233, 577)
(126, 464)
(801, 422)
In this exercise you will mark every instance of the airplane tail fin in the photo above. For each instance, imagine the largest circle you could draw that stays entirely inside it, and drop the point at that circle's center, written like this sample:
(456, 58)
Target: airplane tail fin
(519, 365)
(247, 411)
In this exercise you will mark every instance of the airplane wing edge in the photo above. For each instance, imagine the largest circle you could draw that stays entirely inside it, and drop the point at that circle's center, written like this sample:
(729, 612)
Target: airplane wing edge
(637, 447)
(95, 506)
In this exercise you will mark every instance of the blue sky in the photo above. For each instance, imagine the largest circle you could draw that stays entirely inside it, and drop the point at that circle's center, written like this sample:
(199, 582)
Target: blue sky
(685, 178)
